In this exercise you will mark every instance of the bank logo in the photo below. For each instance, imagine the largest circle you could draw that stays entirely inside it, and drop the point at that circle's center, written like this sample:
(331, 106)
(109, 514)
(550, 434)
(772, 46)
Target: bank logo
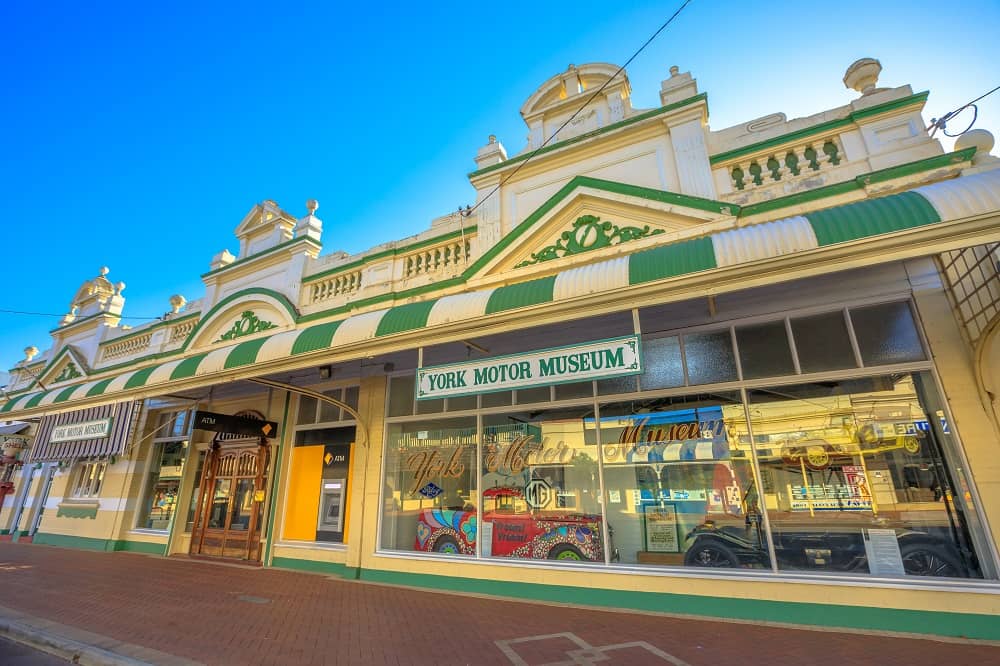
(537, 493)
(431, 490)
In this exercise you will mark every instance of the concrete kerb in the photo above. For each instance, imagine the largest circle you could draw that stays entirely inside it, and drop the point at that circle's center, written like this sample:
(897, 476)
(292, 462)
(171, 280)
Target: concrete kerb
(78, 646)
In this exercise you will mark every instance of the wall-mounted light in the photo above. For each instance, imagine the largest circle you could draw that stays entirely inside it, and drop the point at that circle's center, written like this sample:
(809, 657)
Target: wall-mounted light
(325, 371)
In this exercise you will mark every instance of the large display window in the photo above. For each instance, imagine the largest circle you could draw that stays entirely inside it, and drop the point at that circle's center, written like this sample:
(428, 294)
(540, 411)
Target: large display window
(809, 443)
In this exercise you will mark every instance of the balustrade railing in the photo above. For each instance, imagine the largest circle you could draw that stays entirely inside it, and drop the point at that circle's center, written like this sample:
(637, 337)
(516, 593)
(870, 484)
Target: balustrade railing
(786, 164)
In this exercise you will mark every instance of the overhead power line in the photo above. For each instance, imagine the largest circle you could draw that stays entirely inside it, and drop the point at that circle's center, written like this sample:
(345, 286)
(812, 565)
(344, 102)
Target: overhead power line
(50, 314)
(941, 123)
(469, 211)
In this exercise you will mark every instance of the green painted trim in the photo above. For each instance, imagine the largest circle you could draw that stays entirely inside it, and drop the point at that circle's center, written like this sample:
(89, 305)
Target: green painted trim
(35, 399)
(801, 198)
(22, 533)
(149, 329)
(690, 256)
(269, 251)
(66, 393)
(313, 566)
(315, 337)
(933, 623)
(702, 97)
(244, 353)
(404, 318)
(821, 128)
(70, 541)
(77, 322)
(146, 547)
(224, 303)
(521, 295)
(98, 388)
(47, 367)
(381, 298)
(188, 367)
(105, 545)
(4, 532)
(576, 182)
(403, 249)
(911, 168)
(871, 217)
(139, 377)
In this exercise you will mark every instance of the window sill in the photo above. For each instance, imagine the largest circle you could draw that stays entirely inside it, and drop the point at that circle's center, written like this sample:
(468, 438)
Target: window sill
(311, 545)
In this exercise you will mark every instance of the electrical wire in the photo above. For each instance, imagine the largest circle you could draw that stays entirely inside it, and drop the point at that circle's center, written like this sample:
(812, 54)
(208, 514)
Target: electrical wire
(468, 211)
(49, 314)
(941, 123)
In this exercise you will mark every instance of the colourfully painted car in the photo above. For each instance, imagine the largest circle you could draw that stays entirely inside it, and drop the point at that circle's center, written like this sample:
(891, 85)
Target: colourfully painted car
(515, 530)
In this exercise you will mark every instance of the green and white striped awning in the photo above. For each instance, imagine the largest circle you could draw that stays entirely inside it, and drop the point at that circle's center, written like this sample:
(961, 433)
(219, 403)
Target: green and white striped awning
(958, 199)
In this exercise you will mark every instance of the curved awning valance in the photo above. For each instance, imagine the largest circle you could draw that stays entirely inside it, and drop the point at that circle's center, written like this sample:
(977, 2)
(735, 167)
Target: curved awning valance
(973, 198)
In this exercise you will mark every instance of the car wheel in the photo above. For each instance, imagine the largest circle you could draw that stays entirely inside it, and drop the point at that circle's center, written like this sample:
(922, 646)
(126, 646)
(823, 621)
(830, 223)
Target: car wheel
(566, 552)
(924, 559)
(911, 445)
(817, 457)
(711, 553)
(446, 544)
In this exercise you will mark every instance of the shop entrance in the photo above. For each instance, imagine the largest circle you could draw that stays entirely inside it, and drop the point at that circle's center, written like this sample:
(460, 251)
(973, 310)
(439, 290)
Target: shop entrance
(228, 516)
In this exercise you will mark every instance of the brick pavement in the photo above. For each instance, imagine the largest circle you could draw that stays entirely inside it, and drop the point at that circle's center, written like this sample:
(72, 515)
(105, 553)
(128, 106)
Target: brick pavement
(239, 615)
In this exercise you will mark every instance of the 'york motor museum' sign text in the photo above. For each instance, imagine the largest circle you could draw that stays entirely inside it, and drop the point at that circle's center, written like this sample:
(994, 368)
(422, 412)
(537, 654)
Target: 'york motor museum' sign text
(591, 360)
(96, 429)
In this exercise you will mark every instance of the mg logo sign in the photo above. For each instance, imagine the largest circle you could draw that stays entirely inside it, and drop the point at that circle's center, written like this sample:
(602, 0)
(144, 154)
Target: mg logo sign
(538, 493)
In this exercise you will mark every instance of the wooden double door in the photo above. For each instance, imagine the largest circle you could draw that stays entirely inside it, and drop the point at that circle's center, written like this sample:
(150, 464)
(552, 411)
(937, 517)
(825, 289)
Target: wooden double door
(228, 518)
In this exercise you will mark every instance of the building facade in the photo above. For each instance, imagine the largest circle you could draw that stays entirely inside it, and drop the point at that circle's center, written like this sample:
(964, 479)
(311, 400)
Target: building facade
(746, 373)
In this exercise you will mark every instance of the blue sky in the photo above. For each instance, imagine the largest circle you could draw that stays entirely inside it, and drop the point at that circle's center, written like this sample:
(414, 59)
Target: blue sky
(138, 135)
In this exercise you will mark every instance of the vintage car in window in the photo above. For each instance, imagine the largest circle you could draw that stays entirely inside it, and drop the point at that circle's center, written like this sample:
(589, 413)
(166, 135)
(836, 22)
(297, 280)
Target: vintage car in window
(516, 530)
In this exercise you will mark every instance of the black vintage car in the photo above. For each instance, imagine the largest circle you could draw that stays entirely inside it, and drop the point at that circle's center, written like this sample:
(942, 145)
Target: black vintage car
(806, 544)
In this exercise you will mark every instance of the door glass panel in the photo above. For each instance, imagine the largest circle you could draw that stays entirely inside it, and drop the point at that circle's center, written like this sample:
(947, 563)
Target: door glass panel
(855, 481)
(220, 503)
(242, 505)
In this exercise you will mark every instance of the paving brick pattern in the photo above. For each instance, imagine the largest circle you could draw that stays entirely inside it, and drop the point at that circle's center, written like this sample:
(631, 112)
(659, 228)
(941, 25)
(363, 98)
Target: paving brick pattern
(236, 615)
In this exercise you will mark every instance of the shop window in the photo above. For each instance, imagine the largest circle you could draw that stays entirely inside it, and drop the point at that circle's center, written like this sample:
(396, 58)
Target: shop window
(823, 343)
(541, 486)
(617, 385)
(497, 399)
(674, 468)
(860, 481)
(163, 482)
(430, 495)
(88, 479)
(313, 410)
(764, 350)
(174, 424)
(709, 357)
(663, 363)
(317, 506)
(886, 334)
(401, 391)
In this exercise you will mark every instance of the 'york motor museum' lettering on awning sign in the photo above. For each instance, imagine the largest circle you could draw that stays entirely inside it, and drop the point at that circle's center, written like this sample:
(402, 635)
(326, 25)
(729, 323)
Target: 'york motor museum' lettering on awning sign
(577, 363)
(85, 430)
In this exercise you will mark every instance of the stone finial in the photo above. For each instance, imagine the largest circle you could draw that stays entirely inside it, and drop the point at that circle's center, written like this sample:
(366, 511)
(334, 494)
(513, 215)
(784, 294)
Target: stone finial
(674, 70)
(862, 75)
(982, 141)
(104, 271)
(119, 288)
(492, 153)
(312, 206)
(30, 352)
(492, 139)
(176, 303)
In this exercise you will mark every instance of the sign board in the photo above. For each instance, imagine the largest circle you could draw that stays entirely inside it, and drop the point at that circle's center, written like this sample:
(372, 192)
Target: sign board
(592, 360)
(538, 493)
(234, 425)
(661, 528)
(884, 556)
(95, 429)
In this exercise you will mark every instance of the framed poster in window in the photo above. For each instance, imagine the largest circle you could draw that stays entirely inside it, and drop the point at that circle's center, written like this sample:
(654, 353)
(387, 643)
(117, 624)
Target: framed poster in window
(660, 528)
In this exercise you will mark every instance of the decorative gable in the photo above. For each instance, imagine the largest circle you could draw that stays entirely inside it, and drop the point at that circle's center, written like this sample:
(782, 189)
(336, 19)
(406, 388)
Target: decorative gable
(66, 366)
(243, 316)
(589, 219)
(265, 226)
